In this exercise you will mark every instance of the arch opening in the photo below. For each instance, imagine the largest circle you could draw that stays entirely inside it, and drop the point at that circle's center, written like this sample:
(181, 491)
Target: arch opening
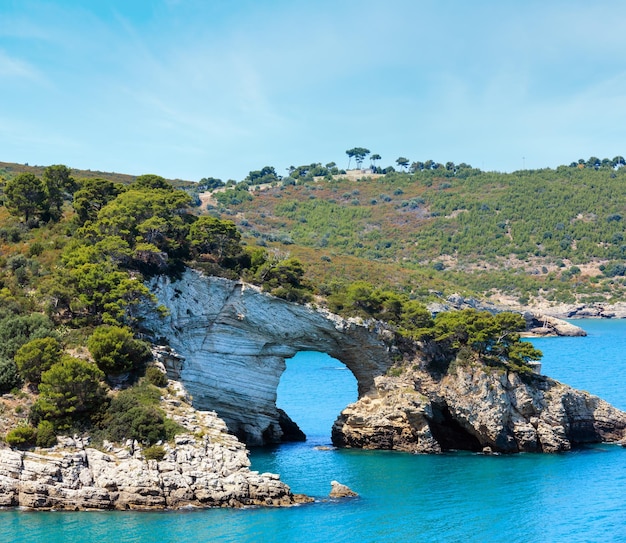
(231, 341)
(313, 390)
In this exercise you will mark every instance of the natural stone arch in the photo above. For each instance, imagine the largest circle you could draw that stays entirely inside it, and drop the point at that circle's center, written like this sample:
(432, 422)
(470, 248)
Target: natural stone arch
(313, 390)
(233, 341)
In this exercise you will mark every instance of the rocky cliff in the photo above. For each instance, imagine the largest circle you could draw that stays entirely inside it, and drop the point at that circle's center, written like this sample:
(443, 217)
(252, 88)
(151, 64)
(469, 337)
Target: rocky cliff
(206, 467)
(476, 408)
(231, 341)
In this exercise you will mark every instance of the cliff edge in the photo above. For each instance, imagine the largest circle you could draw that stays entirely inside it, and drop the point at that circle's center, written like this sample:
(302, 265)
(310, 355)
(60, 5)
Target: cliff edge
(475, 408)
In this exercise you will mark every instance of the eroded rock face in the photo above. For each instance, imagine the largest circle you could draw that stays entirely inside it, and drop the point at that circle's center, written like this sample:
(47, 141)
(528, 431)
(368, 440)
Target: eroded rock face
(232, 341)
(476, 408)
(207, 467)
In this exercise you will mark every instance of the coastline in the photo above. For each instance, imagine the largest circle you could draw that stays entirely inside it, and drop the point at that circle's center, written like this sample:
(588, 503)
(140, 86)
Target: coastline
(203, 468)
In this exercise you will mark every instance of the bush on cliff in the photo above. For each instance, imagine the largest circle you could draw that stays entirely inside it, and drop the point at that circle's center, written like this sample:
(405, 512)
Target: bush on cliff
(493, 338)
(21, 437)
(284, 278)
(71, 391)
(156, 377)
(37, 356)
(134, 414)
(154, 452)
(115, 351)
(46, 436)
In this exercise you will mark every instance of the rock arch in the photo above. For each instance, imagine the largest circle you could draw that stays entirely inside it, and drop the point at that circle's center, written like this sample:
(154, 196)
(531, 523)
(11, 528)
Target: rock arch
(233, 340)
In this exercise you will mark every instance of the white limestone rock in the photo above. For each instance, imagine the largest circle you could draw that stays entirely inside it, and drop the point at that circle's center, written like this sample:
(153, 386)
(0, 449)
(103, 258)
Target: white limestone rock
(228, 342)
(207, 468)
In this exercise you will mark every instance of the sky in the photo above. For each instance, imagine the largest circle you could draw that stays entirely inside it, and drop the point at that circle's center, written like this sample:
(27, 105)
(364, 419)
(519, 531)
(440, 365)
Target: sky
(216, 88)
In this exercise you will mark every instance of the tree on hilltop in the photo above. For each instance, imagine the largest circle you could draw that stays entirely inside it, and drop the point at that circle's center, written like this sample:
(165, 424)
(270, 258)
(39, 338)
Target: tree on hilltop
(402, 162)
(151, 181)
(359, 154)
(92, 196)
(58, 184)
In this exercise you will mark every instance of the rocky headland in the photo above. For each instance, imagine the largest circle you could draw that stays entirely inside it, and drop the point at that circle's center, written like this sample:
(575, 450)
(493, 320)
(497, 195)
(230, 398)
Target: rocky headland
(223, 345)
(206, 467)
(475, 408)
(231, 341)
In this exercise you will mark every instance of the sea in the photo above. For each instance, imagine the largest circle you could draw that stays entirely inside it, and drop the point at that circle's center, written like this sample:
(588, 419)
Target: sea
(578, 496)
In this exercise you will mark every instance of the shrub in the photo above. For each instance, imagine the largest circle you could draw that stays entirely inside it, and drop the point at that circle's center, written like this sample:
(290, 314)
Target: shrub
(9, 376)
(46, 437)
(134, 414)
(69, 390)
(37, 356)
(115, 351)
(156, 377)
(147, 424)
(36, 249)
(21, 437)
(15, 331)
(154, 452)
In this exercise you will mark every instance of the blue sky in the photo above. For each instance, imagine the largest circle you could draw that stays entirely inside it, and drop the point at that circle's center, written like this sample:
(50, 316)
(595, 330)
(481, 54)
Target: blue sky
(198, 88)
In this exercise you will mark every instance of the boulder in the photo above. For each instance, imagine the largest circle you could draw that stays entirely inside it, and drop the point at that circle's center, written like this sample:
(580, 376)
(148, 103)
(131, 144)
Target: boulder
(338, 490)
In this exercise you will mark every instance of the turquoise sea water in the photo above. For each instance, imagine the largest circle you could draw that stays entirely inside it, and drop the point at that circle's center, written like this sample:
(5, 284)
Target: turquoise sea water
(574, 497)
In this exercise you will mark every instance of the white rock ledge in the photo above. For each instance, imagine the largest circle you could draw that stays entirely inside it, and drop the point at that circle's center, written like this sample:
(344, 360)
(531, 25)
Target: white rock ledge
(207, 467)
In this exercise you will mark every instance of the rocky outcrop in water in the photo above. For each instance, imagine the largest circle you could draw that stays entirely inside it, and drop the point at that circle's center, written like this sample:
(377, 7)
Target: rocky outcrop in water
(230, 342)
(338, 490)
(476, 408)
(207, 467)
(538, 324)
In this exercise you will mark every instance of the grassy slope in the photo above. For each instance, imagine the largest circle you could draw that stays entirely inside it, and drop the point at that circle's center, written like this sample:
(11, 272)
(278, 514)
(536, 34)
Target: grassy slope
(534, 234)
(8, 170)
(531, 234)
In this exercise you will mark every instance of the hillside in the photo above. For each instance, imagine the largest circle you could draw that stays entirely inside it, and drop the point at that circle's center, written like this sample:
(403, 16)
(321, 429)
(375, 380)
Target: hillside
(528, 236)
(8, 170)
(77, 256)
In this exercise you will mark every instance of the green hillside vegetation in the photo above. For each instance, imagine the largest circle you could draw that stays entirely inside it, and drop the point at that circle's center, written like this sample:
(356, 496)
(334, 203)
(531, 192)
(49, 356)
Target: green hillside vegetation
(75, 253)
(547, 234)
(8, 170)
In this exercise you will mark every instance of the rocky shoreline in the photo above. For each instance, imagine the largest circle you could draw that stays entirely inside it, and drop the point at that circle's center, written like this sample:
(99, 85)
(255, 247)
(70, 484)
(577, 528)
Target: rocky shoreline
(600, 310)
(476, 408)
(207, 467)
(543, 319)
(226, 344)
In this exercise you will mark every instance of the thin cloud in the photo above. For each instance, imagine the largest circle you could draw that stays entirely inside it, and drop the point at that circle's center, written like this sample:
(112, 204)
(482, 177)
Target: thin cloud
(14, 68)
